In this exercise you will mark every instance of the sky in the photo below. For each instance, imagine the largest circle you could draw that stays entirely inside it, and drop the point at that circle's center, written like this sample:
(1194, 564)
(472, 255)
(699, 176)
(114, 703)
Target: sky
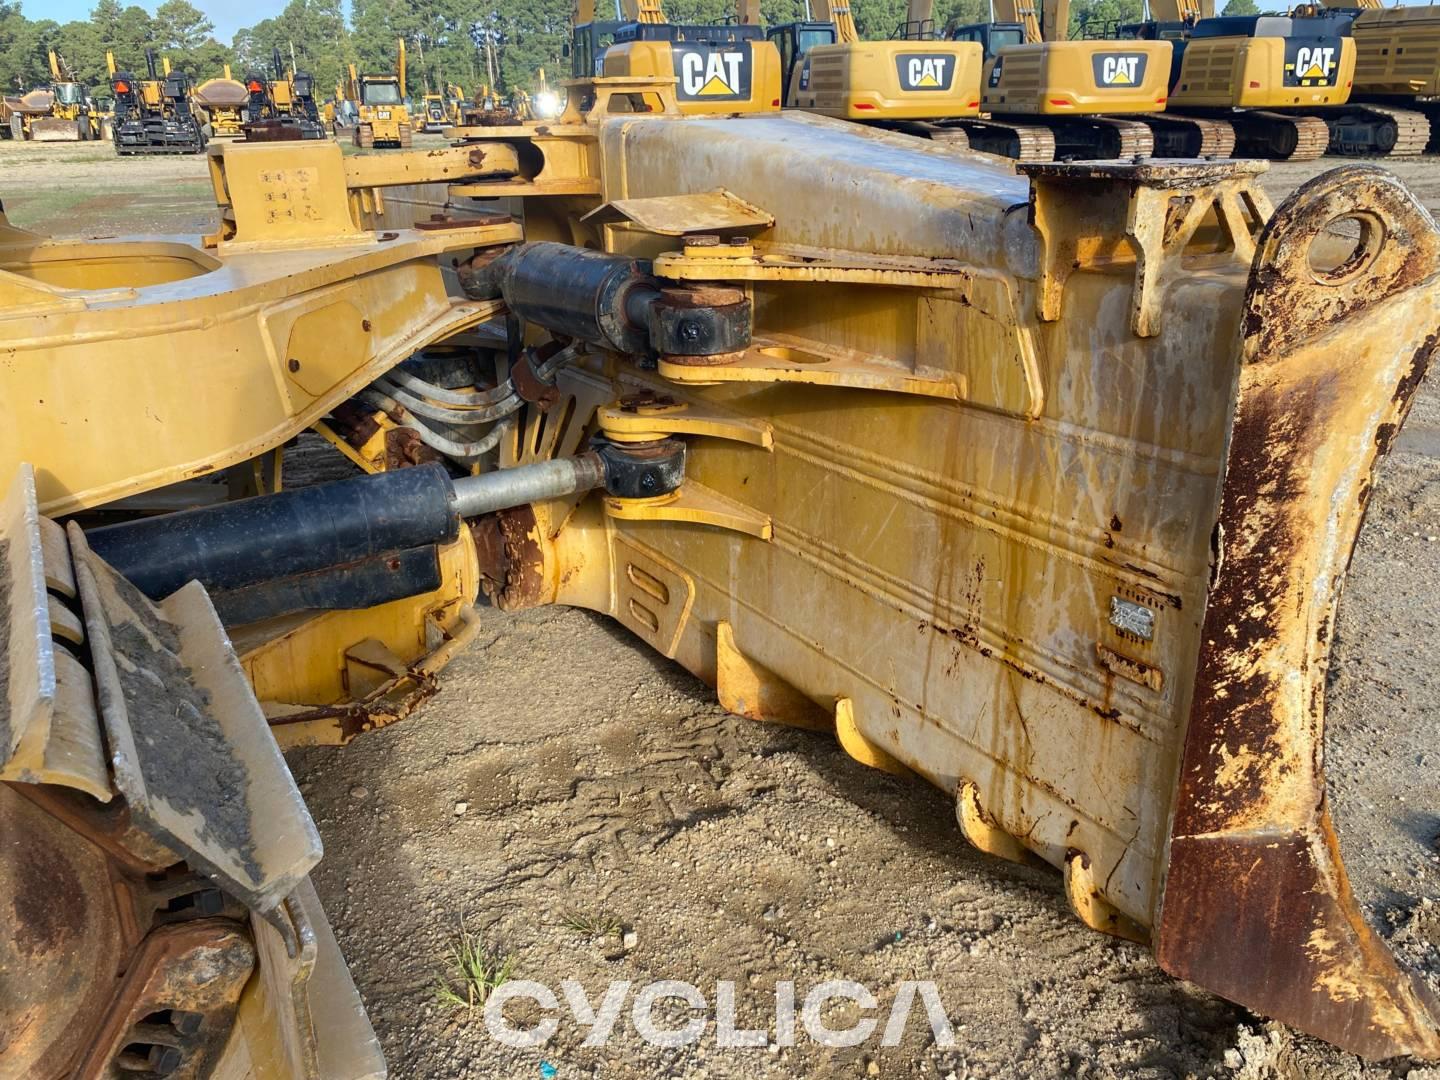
(227, 15)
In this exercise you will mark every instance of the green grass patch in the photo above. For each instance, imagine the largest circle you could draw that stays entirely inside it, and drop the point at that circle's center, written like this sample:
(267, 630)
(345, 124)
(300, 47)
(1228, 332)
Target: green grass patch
(472, 973)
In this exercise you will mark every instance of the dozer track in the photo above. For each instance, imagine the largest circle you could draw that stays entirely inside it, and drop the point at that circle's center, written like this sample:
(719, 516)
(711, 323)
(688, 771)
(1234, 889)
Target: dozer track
(1279, 136)
(1190, 136)
(1361, 129)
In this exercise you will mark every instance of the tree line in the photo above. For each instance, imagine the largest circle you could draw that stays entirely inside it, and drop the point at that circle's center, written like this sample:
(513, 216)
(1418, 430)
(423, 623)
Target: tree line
(500, 43)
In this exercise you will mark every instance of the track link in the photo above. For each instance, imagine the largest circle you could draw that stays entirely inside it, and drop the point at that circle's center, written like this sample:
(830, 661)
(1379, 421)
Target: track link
(1023, 142)
(1363, 129)
(1190, 136)
(1279, 136)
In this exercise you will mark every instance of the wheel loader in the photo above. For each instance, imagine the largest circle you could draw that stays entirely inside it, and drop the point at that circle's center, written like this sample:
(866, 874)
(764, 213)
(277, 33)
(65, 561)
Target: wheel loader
(61, 112)
(1042, 493)
(383, 117)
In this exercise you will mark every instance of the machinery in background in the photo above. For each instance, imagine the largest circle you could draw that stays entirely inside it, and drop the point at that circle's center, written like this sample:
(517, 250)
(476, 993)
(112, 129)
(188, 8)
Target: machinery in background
(382, 118)
(59, 112)
(223, 102)
(1395, 104)
(913, 82)
(281, 106)
(1282, 82)
(726, 66)
(442, 109)
(153, 115)
(1046, 96)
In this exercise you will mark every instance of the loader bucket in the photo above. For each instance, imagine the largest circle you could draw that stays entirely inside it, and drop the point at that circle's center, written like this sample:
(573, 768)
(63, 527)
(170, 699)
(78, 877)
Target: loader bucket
(55, 129)
(1257, 905)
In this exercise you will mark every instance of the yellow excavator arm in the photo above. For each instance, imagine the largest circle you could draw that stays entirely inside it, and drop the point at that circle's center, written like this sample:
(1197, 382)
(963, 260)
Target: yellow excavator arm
(55, 67)
(747, 12)
(1190, 11)
(1055, 20)
(644, 11)
(1018, 11)
(109, 63)
(400, 48)
(838, 12)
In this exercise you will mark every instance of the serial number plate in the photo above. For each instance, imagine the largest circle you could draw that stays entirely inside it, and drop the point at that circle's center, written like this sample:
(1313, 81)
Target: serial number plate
(1132, 618)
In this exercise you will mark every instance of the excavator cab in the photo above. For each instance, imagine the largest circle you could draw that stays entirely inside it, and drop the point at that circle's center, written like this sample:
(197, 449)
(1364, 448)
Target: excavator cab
(588, 44)
(794, 41)
(992, 36)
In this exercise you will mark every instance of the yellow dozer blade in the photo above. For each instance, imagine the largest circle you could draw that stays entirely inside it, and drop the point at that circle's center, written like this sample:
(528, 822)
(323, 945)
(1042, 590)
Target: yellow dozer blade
(155, 847)
(1043, 491)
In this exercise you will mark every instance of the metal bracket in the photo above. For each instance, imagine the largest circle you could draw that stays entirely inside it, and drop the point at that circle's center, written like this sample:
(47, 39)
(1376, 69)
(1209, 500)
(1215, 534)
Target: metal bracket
(694, 503)
(647, 416)
(1158, 206)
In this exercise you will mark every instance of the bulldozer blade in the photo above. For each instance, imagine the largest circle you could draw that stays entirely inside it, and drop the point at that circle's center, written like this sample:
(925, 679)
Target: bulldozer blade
(49, 730)
(1257, 905)
(189, 746)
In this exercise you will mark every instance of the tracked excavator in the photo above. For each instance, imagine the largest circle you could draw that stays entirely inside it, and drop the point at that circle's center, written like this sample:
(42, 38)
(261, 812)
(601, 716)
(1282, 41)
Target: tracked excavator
(1042, 492)
(1394, 108)
(913, 82)
(1274, 80)
(1039, 102)
(730, 66)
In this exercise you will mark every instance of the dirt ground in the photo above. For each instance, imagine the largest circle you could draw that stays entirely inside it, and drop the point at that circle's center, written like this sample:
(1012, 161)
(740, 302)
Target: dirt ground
(587, 810)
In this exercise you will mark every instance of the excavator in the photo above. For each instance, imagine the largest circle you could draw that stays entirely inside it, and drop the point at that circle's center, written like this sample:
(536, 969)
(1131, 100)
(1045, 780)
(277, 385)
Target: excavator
(730, 65)
(1393, 108)
(901, 83)
(383, 119)
(153, 115)
(1038, 108)
(1036, 482)
(1048, 96)
(1281, 82)
(224, 102)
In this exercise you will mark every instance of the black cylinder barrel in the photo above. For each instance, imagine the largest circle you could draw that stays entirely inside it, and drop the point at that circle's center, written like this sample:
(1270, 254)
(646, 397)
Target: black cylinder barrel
(582, 294)
(292, 532)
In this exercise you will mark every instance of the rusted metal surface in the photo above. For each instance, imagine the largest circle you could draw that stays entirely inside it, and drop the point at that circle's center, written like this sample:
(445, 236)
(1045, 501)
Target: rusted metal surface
(512, 560)
(1257, 906)
(175, 1007)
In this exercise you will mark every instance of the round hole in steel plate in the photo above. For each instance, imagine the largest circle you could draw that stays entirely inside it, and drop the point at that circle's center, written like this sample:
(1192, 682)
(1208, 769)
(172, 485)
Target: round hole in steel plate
(1345, 248)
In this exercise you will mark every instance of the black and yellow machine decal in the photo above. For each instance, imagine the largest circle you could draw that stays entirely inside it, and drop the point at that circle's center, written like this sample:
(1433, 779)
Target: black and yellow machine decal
(712, 72)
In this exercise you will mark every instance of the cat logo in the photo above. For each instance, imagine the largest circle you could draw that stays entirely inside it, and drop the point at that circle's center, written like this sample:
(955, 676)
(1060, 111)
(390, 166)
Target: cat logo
(1311, 65)
(925, 71)
(995, 72)
(805, 74)
(712, 73)
(1119, 69)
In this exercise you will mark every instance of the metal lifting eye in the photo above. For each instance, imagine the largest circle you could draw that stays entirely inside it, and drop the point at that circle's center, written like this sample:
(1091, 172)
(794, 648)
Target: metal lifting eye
(1345, 247)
